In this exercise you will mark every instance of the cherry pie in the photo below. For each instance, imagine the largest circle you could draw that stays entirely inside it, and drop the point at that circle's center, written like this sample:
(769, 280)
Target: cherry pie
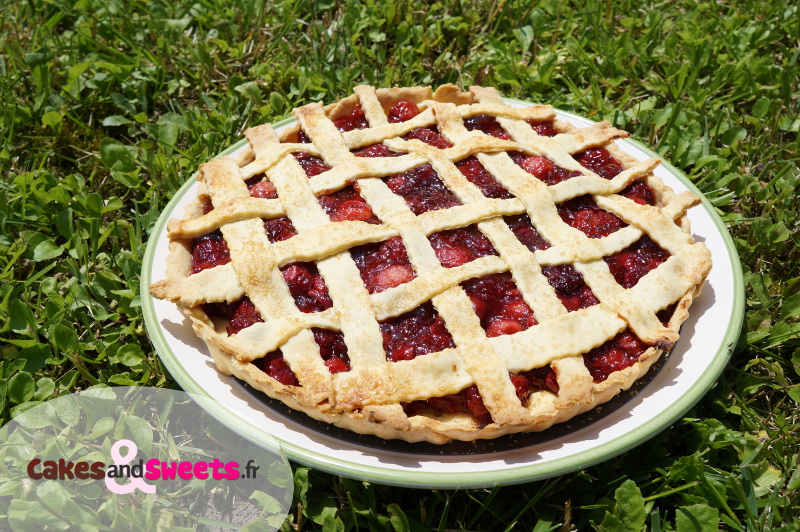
(434, 266)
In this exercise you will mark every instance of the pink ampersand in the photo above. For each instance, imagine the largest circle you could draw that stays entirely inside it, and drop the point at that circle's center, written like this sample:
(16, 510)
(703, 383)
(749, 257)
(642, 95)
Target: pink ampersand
(118, 459)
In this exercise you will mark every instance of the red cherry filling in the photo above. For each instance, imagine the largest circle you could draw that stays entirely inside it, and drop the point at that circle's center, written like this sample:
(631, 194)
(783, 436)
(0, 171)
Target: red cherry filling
(543, 378)
(476, 174)
(620, 352)
(459, 246)
(570, 287)
(415, 333)
(376, 150)
(632, 263)
(488, 125)
(600, 161)
(347, 204)
(307, 287)
(244, 315)
(422, 189)
(279, 229)
(468, 401)
(543, 168)
(260, 187)
(403, 111)
(383, 265)
(333, 349)
(430, 136)
(311, 165)
(274, 365)
(208, 251)
(355, 120)
(639, 192)
(544, 128)
(584, 214)
(499, 305)
(525, 232)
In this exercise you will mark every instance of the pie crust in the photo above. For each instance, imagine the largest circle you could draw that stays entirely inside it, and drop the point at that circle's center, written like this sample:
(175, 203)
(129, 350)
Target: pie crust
(373, 395)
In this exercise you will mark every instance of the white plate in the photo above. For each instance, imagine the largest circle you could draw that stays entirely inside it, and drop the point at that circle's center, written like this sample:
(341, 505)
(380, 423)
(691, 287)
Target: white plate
(692, 367)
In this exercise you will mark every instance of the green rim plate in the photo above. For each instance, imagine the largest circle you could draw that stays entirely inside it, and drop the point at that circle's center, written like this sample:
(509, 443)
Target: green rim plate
(694, 365)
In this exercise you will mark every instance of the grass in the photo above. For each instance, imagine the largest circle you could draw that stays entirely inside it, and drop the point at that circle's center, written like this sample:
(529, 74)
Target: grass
(108, 107)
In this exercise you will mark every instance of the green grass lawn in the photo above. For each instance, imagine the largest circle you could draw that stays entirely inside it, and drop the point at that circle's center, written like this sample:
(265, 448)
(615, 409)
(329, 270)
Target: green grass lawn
(107, 107)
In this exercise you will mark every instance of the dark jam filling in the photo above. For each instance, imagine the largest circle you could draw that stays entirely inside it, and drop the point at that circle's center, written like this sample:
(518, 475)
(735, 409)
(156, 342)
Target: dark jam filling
(208, 251)
(307, 287)
(570, 287)
(584, 214)
(333, 349)
(468, 401)
(632, 263)
(311, 164)
(430, 136)
(383, 265)
(276, 367)
(525, 232)
(459, 246)
(476, 174)
(488, 125)
(347, 204)
(376, 150)
(422, 189)
(620, 352)
(542, 168)
(279, 229)
(665, 314)
(601, 162)
(244, 315)
(544, 128)
(415, 333)
(499, 305)
(355, 120)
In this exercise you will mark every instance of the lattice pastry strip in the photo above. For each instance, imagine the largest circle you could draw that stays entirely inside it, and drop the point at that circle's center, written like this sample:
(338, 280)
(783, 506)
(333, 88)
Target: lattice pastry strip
(470, 385)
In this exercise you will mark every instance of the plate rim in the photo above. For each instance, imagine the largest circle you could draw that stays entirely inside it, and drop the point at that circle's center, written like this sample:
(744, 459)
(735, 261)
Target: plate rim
(469, 479)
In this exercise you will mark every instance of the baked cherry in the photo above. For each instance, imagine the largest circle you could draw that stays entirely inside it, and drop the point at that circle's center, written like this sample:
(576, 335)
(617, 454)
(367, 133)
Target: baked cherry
(422, 189)
(544, 128)
(632, 263)
(430, 136)
(274, 365)
(208, 251)
(600, 161)
(347, 204)
(543, 168)
(476, 174)
(383, 265)
(415, 333)
(619, 353)
(455, 247)
(307, 287)
(570, 287)
(355, 120)
(488, 125)
(526, 233)
(499, 305)
(584, 214)
(332, 349)
(403, 111)
(279, 229)
(244, 315)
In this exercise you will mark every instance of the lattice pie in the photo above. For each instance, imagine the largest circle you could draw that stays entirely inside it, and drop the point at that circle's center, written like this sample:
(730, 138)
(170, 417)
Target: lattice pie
(434, 265)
